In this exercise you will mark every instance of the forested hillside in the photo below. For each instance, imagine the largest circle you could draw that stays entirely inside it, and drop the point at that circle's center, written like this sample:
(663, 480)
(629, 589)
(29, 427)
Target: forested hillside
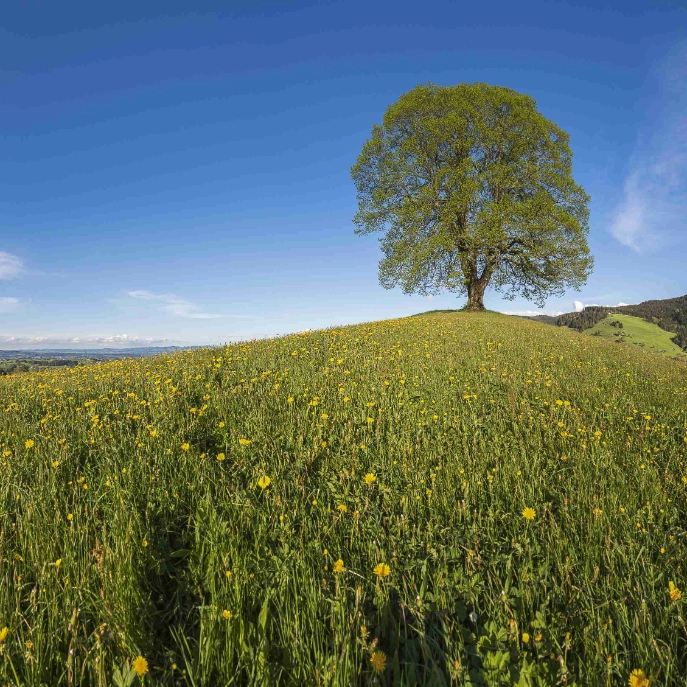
(669, 314)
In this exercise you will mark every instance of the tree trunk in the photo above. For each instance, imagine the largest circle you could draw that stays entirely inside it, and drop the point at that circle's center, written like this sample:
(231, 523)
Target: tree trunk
(476, 289)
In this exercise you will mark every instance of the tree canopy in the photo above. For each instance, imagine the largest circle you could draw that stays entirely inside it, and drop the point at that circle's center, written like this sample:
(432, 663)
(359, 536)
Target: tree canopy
(473, 187)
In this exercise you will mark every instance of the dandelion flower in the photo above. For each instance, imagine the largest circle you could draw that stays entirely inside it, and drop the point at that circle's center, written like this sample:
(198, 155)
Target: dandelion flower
(140, 666)
(369, 478)
(382, 570)
(70, 516)
(184, 447)
(244, 442)
(338, 566)
(29, 443)
(221, 457)
(528, 513)
(342, 507)
(3, 634)
(264, 482)
(525, 638)
(226, 614)
(378, 661)
(638, 678)
(675, 593)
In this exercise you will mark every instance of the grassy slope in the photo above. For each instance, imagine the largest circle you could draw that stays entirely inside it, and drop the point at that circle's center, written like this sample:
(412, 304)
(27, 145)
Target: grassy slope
(464, 420)
(638, 332)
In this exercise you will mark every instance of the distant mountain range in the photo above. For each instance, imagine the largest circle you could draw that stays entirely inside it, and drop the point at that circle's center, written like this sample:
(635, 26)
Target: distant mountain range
(88, 353)
(669, 314)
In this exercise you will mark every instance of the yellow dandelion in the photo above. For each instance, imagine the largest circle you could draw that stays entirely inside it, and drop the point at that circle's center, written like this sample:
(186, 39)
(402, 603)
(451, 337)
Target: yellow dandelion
(221, 457)
(264, 482)
(58, 562)
(220, 424)
(378, 661)
(185, 447)
(369, 478)
(227, 574)
(3, 634)
(244, 442)
(29, 443)
(338, 566)
(525, 638)
(675, 593)
(528, 513)
(382, 570)
(140, 666)
(226, 614)
(70, 516)
(342, 507)
(638, 678)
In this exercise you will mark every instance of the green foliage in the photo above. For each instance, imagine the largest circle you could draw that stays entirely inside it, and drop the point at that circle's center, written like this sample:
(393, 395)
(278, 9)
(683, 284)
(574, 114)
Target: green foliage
(473, 187)
(133, 523)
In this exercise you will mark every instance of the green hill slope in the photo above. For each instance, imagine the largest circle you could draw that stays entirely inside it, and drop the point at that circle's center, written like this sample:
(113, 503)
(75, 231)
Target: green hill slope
(468, 499)
(669, 314)
(625, 329)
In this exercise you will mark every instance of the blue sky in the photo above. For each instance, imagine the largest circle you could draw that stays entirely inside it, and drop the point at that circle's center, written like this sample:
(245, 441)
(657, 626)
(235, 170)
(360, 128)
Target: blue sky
(169, 176)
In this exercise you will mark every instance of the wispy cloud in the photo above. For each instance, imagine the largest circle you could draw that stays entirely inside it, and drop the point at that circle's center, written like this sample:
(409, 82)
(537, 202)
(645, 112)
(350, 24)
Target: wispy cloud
(174, 305)
(8, 304)
(10, 265)
(654, 204)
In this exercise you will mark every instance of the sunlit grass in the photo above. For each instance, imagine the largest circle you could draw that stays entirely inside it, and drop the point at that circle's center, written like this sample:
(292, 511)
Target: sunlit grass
(450, 499)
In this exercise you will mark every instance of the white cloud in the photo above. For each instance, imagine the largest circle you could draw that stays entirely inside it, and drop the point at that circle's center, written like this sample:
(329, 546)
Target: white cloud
(579, 306)
(71, 341)
(8, 304)
(180, 307)
(532, 313)
(10, 265)
(654, 202)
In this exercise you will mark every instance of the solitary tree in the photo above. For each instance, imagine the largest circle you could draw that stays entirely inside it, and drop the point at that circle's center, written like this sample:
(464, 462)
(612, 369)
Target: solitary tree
(473, 187)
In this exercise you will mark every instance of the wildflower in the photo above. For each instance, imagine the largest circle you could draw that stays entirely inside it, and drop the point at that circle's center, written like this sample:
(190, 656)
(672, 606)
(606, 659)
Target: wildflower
(638, 678)
(382, 570)
(3, 634)
(220, 424)
(338, 566)
(525, 638)
(221, 457)
(29, 443)
(184, 447)
(227, 574)
(70, 516)
(140, 666)
(369, 478)
(56, 463)
(264, 482)
(289, 399)
(528, 513)
(597, 511)
(675, 593)
(244, 442)
(342, 507)
(378, 661)
(226, 614)
(144, 543)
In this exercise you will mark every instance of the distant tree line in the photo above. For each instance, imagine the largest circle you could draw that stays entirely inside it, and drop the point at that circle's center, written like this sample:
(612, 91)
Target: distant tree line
(14, 365)
(669, 314)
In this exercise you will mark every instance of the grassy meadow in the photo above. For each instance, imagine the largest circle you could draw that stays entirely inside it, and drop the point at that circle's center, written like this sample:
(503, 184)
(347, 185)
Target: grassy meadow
(454, 499)
(638, 332)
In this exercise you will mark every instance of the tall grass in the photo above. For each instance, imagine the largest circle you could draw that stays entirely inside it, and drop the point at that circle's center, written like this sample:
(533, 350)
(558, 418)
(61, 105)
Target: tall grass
(135, 522)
